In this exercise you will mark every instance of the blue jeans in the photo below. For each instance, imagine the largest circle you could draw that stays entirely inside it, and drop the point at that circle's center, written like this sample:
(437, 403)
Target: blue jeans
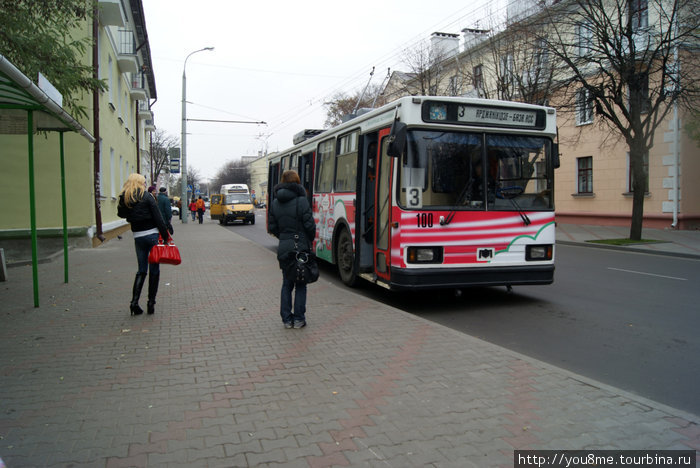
(143, 248)
(299, 301)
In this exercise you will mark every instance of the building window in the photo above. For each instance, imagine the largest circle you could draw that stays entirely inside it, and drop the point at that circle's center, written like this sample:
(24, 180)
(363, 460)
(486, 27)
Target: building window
(638, 14)
(506, 74)
(584, 39)
(478, 75)
(112, 173)
(541, 53)
(584, 107)
(453, 88)
(110, 80)
(639, 92)
(100, 172)
(119, 97)
(630, 178)
(585, 174)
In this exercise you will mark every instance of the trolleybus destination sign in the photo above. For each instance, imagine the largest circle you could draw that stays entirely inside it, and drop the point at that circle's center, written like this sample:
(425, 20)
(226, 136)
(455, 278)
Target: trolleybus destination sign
(496, 116)
(475, 114)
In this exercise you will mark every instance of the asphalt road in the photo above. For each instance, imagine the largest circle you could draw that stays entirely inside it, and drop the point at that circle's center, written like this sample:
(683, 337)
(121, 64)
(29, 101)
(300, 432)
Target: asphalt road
(625, 319)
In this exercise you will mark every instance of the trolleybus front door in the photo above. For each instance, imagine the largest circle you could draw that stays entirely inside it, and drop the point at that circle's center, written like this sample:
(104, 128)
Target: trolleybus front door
(382, 225)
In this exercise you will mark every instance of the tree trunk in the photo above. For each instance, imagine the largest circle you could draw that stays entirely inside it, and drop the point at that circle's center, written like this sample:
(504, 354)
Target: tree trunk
(639, 188)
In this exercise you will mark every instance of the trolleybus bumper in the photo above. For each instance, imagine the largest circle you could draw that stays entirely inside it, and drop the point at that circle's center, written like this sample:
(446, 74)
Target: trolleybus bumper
(461, 278)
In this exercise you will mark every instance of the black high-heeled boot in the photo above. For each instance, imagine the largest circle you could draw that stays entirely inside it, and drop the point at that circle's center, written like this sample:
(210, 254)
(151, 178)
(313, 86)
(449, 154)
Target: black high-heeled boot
(136, 294)
(152, 291)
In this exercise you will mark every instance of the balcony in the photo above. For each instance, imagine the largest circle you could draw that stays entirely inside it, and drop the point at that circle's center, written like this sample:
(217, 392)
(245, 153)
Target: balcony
(110, 13)
(149, 125)
(137, 90)
(144, 112)
(126, 55)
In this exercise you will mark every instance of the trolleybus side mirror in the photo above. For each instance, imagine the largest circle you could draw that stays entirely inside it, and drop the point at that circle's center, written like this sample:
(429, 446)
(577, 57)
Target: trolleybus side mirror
(555, 156)
(397, 139)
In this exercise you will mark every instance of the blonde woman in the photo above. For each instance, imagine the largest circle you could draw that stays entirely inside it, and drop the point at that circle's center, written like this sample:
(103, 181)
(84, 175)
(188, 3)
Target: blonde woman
(141, 211)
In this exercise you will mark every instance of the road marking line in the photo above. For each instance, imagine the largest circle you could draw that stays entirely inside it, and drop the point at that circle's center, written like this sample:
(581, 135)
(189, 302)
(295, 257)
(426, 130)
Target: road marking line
(648, 274)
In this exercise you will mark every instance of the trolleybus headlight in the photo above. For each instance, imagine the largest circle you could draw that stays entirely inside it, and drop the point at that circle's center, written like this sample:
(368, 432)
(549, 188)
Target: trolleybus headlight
(425, 255)
(538, 252)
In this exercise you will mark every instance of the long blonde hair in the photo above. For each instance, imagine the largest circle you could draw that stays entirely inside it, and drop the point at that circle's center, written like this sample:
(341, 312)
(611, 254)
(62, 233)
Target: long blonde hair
(134, 188)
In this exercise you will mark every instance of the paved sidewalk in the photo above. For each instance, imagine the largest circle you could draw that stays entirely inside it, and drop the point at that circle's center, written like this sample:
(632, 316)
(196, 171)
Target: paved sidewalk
(673, 242)
(214, 380)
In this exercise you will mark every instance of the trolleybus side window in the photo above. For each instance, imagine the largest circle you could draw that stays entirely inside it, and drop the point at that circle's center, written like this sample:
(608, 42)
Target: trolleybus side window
(294, 162)
(346, 163)
(325, 166)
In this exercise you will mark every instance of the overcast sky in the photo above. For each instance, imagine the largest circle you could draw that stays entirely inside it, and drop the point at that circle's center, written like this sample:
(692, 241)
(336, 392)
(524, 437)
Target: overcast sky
(277, 61)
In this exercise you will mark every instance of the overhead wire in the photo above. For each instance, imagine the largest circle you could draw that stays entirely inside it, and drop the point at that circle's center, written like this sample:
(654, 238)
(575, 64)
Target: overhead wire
(296, 113)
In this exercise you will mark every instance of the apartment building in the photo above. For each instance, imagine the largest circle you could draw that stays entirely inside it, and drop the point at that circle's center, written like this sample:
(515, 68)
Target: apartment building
(120, 120)
(515, 60)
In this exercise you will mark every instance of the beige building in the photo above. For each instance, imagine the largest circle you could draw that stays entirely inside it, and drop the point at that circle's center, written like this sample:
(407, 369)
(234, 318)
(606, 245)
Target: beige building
(511, 61)
(120, 120)
(258, 177)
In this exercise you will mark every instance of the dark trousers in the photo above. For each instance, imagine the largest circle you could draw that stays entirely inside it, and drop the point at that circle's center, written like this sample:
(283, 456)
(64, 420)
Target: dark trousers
(299, 314)
(200, 215)
(143, 248)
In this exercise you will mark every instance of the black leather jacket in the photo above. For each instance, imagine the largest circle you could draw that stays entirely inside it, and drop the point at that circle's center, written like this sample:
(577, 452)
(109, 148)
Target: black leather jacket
(143, 215)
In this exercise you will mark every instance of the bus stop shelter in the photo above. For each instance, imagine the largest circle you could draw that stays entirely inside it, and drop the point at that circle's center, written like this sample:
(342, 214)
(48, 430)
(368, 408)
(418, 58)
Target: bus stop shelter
(25, 109)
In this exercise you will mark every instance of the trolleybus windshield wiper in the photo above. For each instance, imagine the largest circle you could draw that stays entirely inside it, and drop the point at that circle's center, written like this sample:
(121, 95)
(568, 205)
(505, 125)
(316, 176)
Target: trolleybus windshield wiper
(522, 214)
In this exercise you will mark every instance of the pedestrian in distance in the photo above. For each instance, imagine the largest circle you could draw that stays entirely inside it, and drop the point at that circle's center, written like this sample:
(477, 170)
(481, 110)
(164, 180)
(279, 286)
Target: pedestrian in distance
(152, 191)
(165, 208)
(290, 216)
(141, 211)
(201, 208)
(193, 209)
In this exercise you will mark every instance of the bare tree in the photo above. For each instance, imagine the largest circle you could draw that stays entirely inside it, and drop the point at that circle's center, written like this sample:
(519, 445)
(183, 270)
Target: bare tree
(193, 177)
(425, 67)
(626, 60)
(161, 143)
(342, 104)
(233, 172)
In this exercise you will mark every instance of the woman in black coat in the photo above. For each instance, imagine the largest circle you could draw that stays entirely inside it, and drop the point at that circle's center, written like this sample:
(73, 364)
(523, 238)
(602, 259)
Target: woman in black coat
(141, 210)
(290, 215)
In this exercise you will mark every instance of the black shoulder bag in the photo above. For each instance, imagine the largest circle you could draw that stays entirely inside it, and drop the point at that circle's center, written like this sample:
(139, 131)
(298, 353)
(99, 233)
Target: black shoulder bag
(302, 266)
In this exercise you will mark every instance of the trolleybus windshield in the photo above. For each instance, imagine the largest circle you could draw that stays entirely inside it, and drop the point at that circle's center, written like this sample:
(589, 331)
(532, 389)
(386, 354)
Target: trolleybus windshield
(476, 171)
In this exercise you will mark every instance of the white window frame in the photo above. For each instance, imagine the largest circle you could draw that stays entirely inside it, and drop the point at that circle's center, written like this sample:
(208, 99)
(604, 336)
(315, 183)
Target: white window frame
(638, 11)
(584, 39)
(112, 171)
(100, 172)
(584, 107)
(589, 171)
(110, 79)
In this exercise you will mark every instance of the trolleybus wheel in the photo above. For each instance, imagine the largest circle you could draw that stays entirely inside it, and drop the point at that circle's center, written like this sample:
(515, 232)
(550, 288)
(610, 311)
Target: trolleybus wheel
(345, 258)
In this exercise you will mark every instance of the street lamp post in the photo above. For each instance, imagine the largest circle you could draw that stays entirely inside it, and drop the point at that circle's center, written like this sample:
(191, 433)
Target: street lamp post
(183, 139)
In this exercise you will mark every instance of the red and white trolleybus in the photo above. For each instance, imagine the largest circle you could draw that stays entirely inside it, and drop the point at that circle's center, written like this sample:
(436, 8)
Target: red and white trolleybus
(433, 192)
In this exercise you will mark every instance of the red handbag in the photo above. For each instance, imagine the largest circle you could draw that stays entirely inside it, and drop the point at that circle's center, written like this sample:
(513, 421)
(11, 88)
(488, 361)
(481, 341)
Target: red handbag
(165, 252)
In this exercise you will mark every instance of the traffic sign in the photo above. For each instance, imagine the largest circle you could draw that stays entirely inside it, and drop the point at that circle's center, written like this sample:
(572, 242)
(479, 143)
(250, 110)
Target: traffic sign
(174, 165)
